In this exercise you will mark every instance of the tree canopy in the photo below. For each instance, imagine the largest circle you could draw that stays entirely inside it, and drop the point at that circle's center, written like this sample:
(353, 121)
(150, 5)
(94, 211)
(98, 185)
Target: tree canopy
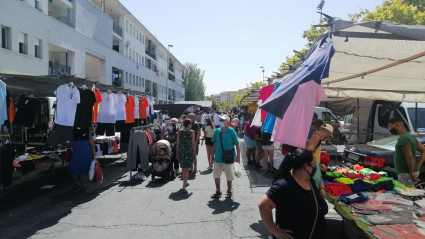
(193, 82)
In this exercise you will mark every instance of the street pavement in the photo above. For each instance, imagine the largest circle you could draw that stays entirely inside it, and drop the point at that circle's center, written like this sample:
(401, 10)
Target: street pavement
(116, 209)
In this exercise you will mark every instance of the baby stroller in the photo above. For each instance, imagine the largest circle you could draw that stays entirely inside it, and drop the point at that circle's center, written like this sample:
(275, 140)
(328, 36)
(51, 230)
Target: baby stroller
(162, 155)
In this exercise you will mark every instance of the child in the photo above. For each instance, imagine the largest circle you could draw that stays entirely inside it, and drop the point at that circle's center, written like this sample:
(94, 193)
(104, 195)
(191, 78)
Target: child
(161, 152)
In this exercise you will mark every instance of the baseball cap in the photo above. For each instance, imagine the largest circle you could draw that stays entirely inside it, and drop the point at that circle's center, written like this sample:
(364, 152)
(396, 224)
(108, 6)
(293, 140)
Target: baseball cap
(225, 117)
(328, 127)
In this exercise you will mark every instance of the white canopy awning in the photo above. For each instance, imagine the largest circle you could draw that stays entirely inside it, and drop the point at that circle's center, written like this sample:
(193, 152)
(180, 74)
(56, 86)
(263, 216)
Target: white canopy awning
(367, 61)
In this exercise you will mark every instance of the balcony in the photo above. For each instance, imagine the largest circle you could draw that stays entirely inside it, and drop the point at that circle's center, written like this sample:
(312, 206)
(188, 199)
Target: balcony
(56, 68)
(171, 77)
(151, 54)
(171, 67)
(117, 29)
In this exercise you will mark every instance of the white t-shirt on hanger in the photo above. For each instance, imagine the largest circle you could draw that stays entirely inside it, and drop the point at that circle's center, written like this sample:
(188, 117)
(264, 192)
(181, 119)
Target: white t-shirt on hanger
(148, 107)
(66, 106)
(120, 115)
(136, 107)
(151, 103)
(107, 108)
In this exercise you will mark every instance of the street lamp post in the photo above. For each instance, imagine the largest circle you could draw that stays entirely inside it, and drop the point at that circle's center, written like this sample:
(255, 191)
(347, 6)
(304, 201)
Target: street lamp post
(169, 47)
(262, 67)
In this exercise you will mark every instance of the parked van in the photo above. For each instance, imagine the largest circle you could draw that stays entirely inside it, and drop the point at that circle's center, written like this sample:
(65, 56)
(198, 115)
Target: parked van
(372, 122)
(43, 123)
(328, 117)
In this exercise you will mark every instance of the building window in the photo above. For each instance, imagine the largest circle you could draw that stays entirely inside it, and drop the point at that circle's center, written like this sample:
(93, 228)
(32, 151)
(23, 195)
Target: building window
(126, 77)
(143, 60)
(131, 32)
(143, 39)
(126, 26)
(140, 38)
(5, 38)
(23, 38)
(140, 81)
(134, 79)
(140, 59)
(134, 53)
(37, 5)
(137, 57)
(134, 32)
(129, 79)
(37, 48)
(143, 82)
(137, 34)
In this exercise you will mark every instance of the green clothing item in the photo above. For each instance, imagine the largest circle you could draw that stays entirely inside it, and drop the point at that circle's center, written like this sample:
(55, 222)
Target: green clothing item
(399, 157)
(317, 177)
(382, 179)
(185, 149)
(334, 174)
(230, 139)
(344, 180)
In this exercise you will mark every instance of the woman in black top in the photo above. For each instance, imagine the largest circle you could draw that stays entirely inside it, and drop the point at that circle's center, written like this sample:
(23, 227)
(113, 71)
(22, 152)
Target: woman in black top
(171, 136)
(300, 209)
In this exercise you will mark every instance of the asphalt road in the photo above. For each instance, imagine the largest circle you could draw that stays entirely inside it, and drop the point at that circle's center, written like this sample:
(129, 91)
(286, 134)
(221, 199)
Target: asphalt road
(115, 209)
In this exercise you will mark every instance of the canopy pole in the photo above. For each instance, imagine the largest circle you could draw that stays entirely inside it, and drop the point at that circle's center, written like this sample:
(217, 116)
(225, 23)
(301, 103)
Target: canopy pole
(377, 69)
(358, 120)
(416, 117)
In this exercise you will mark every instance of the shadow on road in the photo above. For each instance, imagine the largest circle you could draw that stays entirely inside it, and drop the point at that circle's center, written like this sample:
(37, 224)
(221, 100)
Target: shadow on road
(206, 172)
(178, 196)
(219, 207)
(260, 228)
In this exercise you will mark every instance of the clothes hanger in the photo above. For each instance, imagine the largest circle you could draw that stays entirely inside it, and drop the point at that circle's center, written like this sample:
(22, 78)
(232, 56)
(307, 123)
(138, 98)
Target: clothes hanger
(71, 84)
(109, 91)
(84, 87)
(31, 95)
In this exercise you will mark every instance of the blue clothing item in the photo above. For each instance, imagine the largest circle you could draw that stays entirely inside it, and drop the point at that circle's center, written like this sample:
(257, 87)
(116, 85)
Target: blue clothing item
(81, 158)
(3, 105)
(315, 67)
(268, 124)
(230, 139)
(361, 186)
(345, 198)
(248, 142)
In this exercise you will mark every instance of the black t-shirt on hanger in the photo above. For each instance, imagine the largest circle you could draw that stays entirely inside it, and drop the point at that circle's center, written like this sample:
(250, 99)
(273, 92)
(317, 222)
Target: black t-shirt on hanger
(83, 115)
(26, 109)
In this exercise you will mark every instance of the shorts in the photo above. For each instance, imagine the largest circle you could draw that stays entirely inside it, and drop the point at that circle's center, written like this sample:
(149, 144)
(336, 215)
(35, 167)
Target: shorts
(60, 136)
(209, 142)
(259, 146)
(119, 126)
(249, 143)
(108, 127)
(268, 147)
(227, 168)
(406, 179)
(80, 133)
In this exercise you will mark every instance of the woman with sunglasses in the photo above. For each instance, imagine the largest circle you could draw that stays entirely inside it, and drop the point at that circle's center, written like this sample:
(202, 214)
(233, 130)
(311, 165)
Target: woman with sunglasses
(300, 209)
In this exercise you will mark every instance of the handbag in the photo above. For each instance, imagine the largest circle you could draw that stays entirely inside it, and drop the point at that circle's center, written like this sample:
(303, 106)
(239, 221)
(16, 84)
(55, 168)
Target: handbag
(227, 154)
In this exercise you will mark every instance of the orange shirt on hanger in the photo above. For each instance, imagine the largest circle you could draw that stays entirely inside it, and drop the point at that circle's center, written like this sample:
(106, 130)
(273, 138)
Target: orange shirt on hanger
(96, 105)
(142, 108)
(129, 109)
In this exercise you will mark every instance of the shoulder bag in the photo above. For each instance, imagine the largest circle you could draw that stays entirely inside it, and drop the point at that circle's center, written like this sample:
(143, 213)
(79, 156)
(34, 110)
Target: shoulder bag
(227, 154)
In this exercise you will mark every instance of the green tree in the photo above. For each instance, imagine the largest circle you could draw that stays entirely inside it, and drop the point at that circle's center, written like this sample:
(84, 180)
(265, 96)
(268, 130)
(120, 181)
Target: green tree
(409, 12)
(193, 82)
(214, 101)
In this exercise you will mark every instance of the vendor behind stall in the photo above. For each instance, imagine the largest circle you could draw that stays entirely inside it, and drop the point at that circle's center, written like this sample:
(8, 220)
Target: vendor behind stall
(406, 166)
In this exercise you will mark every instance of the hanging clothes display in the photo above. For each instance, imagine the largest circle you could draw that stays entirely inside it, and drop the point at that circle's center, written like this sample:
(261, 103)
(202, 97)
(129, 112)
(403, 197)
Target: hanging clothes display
(257, 117)
(83, 115)
(26, 109)
(96, 105)
(143, 108)
(129, 109)
(121, 114)
(136, 109)
(138, 145)
(3, 105)
(151, 103)
(314, 69)
(106, 115)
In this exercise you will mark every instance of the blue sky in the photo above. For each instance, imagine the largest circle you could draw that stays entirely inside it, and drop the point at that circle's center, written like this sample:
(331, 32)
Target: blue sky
(231, 39)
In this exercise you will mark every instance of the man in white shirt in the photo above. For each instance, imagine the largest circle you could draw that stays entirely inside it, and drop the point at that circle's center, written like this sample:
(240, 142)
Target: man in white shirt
(235, 121)
(242, 122)
(217, 120)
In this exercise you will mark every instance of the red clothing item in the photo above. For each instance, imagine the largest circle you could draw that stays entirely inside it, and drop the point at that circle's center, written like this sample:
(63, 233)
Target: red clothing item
(336, 189)
(285, 148)
(115, 149)
(11, 111)
(142, 108)
(353, 176)
(129, 109)
(96, 105)
(374, 176)
(325, 159)
(250, 129)
(398, 231)
(265, 93)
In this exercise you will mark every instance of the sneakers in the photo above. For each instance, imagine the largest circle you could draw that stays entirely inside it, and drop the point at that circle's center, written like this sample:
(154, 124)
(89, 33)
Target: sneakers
(250, 162)
(257, 165)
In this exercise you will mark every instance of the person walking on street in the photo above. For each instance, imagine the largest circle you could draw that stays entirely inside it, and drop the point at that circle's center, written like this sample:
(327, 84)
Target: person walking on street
(208, 135)
(242, 122)
(300, 210)
(235, 121)
(83, 153)
(171, 136)
(225, 139)
(197, 129)
(217, 120)
(406, 165)
(259, 146)
(249, 139)
(233, 126)
(186, 142)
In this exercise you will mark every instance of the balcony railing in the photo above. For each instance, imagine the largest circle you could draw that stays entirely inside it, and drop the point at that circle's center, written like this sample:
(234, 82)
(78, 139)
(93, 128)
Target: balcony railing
(117, 29)
(55, 68)
(151, 54)
(171, 68)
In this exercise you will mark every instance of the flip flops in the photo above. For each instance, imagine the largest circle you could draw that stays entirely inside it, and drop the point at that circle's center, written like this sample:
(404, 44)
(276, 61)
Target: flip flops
(217, 194)
(228, 195)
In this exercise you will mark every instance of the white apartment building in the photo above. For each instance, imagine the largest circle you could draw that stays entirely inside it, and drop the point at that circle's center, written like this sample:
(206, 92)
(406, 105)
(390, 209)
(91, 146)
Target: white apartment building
(95, 39)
